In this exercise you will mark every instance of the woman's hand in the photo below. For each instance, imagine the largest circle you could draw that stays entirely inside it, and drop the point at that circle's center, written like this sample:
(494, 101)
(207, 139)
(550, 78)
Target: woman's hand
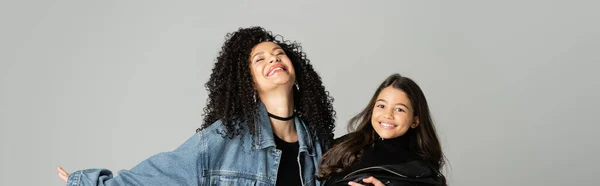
(370, 180)
(62, 174)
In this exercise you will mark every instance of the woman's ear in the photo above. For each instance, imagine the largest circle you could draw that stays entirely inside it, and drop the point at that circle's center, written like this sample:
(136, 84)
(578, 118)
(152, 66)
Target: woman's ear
(415, 123)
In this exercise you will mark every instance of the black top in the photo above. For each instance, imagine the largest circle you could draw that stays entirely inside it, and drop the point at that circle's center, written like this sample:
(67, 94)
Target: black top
(289, 168)
(383, 152)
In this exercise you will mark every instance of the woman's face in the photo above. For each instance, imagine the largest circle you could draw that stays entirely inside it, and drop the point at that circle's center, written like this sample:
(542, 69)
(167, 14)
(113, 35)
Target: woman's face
(270, 67)
(393, 113)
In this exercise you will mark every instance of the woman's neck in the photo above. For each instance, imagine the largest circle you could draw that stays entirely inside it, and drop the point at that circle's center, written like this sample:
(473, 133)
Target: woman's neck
(281, 104)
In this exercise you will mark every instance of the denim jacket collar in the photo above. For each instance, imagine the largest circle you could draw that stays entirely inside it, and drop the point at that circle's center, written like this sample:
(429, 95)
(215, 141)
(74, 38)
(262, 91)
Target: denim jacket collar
(264, 135)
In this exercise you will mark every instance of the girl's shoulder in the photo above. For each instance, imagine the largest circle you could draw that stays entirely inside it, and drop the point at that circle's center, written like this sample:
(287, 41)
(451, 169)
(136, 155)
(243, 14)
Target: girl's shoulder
(341, 139)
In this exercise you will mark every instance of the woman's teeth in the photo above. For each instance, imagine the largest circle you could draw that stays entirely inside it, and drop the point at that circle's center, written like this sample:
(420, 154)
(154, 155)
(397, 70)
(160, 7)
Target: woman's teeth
(274, 70)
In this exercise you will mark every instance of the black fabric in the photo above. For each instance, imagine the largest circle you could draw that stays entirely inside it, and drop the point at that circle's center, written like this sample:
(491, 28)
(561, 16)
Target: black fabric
(391, 154)
(289, 169)
(410, 173)
(386, 152)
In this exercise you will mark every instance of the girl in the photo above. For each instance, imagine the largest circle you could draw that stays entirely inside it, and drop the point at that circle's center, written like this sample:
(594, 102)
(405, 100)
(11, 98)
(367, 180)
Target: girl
(393, 142)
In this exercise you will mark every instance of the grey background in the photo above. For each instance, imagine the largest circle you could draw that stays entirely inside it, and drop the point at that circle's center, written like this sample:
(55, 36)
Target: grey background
(512, 85)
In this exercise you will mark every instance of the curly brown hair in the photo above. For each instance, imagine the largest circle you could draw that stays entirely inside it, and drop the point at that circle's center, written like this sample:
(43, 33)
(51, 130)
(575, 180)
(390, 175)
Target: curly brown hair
(231, 89)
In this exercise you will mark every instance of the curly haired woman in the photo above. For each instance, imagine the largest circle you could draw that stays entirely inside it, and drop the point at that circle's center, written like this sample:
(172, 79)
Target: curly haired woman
(267, 121)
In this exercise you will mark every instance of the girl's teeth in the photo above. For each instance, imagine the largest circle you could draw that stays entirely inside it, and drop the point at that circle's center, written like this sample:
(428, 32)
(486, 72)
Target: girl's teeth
(387, 125)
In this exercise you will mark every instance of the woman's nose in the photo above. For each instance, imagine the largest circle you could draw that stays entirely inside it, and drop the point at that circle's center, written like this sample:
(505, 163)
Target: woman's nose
(274, 58)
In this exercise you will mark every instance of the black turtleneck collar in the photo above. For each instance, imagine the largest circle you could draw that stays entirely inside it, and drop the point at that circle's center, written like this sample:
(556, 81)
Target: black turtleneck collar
(398, 144)
(386, 152)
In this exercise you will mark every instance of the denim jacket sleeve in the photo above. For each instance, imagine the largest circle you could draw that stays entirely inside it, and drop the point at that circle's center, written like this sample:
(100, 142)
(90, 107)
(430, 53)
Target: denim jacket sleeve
(179, 167)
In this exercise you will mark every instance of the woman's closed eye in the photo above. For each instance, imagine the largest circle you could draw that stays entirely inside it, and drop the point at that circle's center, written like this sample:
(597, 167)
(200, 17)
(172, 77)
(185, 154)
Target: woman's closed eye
(279, 52)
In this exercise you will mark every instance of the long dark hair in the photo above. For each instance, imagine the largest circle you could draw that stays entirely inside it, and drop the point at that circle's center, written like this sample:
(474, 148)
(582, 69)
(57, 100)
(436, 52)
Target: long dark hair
(231, 92)
(423, 139)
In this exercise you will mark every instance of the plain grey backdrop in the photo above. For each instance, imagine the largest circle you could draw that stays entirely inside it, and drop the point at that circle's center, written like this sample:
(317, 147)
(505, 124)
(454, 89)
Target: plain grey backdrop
(513, 85)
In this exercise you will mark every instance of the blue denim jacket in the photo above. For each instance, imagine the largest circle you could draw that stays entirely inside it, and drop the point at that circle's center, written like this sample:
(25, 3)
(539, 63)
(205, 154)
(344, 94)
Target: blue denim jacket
(207, 158)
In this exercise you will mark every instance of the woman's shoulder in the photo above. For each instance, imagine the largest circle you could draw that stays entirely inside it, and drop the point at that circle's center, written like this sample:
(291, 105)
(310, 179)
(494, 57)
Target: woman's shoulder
(220, 126)
(216, 133)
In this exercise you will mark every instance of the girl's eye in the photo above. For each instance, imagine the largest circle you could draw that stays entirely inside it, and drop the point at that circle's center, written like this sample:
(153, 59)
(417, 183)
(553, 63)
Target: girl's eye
(399, 110)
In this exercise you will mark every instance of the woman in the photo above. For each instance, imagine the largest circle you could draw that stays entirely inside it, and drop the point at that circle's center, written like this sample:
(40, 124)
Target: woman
(267, 121)
(393, 142)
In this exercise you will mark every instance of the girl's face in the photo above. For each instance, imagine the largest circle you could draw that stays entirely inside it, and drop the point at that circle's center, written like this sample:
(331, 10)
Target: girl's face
(393, 113)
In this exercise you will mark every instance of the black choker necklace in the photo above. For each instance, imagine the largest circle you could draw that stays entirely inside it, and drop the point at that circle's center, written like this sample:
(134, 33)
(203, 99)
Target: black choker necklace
(281, 118)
